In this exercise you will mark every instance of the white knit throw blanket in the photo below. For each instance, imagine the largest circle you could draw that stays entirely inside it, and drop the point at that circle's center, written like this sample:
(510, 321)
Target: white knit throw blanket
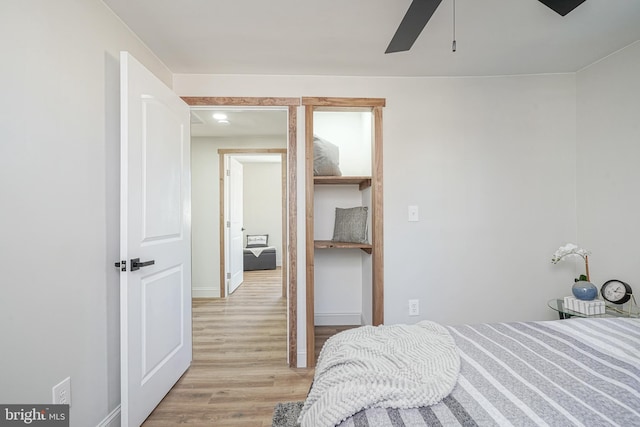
(396, 366)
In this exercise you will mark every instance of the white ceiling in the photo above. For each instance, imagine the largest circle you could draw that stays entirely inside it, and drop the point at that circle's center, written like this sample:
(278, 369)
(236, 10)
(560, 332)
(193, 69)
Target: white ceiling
(243, 122)
(349, 37)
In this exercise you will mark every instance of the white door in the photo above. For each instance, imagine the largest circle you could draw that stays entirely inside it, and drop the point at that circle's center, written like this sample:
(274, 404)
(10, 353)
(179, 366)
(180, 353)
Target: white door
(236, 216)
(155, 300)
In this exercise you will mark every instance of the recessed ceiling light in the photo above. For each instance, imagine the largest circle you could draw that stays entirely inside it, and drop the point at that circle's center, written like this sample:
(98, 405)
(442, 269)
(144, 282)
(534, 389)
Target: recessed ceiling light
(220, 116)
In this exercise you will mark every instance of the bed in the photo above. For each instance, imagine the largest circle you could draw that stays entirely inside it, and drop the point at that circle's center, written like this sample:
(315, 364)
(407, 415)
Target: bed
(583, 372)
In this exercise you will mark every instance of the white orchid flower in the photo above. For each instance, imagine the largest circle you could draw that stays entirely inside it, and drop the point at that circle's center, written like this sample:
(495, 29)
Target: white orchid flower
(571, 250)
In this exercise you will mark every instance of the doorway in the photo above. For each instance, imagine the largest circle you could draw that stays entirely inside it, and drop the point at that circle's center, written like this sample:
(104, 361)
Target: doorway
(289, 105)
(253, 202)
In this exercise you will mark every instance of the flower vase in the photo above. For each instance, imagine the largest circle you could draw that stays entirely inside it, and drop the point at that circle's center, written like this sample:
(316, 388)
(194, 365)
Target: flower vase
(584, 290)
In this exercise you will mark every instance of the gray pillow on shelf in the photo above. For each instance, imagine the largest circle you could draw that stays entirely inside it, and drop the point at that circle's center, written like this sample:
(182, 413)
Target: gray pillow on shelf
(326, 158)
(351, 225)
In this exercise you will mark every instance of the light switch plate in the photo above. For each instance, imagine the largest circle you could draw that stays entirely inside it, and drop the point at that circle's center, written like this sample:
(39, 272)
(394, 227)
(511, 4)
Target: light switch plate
(413, 214)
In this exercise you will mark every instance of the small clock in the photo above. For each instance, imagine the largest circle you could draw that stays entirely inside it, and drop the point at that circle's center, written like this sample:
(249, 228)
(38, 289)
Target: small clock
(616, 291)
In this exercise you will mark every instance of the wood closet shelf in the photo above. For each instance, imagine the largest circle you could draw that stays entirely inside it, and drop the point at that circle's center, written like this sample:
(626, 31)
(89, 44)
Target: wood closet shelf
(361, 181)
(330, 244)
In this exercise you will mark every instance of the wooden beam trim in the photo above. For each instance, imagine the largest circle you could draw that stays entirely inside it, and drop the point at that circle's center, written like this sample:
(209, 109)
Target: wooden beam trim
(377, 221)
(343, 102)
(292, 152)
(249, 101)
(308, 155)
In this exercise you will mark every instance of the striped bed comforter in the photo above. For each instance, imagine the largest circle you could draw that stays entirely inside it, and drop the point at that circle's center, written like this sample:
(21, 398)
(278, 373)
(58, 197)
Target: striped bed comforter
(577, 372)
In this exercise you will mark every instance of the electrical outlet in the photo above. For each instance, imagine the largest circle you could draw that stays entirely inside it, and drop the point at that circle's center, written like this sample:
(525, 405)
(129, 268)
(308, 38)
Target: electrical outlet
(414, 307)
(62, 392)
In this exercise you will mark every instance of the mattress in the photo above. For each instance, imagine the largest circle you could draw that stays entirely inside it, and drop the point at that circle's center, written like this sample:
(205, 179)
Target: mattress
(555, 373)
(260, 258)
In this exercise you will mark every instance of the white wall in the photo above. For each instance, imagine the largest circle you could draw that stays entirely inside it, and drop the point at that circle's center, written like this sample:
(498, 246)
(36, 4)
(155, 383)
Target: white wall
(263, 203)
(351, 132)
(608, 173)
(338, 274)
(205, 209)
(59, 168)
(491, 164)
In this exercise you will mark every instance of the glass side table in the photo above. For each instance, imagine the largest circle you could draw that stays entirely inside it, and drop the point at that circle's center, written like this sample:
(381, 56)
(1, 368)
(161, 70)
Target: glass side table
(611, 310)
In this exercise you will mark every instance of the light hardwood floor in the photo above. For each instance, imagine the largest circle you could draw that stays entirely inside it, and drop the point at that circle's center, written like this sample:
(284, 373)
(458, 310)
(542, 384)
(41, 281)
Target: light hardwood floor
(239, 370)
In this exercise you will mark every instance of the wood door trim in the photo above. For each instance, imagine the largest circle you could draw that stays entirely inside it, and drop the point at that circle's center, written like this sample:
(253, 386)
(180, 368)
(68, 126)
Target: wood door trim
(310, 250)
(283, 219)
(223, 280)
(240, 101)
(349, 103)
(292, 194)
(292, 231)
(377, 221)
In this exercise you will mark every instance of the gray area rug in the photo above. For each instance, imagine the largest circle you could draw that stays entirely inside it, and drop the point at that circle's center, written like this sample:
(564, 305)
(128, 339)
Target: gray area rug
(286, 414)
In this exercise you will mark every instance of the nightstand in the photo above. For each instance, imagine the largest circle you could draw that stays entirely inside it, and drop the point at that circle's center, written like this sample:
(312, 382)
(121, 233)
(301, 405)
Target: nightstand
(611, 311)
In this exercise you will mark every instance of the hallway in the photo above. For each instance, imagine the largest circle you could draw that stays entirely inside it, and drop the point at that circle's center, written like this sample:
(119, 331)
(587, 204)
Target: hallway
(239, 369)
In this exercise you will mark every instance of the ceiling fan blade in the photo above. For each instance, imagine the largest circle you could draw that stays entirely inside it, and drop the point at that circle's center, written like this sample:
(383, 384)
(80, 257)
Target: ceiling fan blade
(414, 21)
(562, 6)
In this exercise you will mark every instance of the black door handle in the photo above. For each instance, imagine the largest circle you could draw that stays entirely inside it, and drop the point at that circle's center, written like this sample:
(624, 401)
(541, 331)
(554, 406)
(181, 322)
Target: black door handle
(136, 264)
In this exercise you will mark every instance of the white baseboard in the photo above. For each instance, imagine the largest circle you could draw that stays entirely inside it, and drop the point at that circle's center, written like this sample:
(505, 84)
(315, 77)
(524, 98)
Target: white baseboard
(365, 321)
(112, 420)
(337, 319)
(205, 292)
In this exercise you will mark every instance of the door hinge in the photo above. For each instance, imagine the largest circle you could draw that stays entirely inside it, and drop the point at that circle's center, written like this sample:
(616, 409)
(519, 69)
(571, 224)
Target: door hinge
(228, 276)
(228, 172)
(228, 224)
(122, 265)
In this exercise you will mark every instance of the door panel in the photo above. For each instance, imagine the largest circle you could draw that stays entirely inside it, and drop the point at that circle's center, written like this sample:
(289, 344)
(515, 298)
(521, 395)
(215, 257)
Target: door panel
(162, 314)
(155, 306)
(163, 171)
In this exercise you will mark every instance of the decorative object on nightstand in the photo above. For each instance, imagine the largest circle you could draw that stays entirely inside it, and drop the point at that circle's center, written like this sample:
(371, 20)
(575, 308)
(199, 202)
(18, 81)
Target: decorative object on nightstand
(619, 292)
(616, 291)
(582, 289)
(590, 308)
